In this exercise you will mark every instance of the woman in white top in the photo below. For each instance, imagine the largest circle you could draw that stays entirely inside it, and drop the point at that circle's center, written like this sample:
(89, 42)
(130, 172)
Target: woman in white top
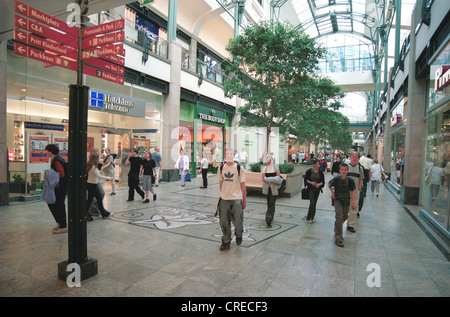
(376, 176)
(108, 169)
(182, 164)
(204, 164)
(92, 188)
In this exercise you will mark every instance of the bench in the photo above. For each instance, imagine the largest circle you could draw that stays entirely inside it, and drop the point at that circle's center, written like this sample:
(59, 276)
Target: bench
(254, 182)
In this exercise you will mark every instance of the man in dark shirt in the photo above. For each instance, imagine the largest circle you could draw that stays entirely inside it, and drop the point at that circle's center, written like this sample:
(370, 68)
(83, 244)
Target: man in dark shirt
(133, 175)
(343, 196)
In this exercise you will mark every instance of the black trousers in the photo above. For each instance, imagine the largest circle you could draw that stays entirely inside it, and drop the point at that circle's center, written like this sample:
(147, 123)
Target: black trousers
(205, 177)
(94, 191)
(271, 199)
(313, 197)
(133, 184)
(58, 209)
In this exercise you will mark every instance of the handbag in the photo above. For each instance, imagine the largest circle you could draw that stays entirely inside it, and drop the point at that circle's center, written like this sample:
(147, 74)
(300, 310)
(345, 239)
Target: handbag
(305, 193)
(187, 177)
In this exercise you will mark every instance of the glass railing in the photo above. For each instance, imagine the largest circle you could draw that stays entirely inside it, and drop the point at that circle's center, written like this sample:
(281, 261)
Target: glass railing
(206, 70)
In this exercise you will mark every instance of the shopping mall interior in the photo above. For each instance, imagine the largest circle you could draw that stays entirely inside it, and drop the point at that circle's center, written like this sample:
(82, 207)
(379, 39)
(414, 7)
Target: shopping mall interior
(166, 89)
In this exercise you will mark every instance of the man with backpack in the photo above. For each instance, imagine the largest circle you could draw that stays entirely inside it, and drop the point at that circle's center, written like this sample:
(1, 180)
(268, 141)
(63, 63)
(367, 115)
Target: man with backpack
(58, 209)
(232, 201)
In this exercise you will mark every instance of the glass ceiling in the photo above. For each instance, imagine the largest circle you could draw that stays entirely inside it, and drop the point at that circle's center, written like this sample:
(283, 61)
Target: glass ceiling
(321, 17)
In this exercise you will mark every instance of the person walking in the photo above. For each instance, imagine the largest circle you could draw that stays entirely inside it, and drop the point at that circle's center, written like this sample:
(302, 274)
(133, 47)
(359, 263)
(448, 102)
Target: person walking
(182, 164)
(335, 166)
(271, 179)
(92, 185)
(233, 201)
(356, 172)
(436, 179)
(133, 175)
(156, 156)
(366, 163)
(375, 179)
(204, 163)
(107, 169)
(148, 166)
(343, 197)
(314, 181)
(58, 209)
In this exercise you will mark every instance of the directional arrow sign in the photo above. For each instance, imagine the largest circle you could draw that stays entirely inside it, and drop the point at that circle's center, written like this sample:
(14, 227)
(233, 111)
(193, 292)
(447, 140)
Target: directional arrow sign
(115, 59)
(44, 18)
(104, 39)
(39, 55)
(91, 71)
(106, 50)
(44, 31)
(48, 45)
(104, 28)
(113, 68)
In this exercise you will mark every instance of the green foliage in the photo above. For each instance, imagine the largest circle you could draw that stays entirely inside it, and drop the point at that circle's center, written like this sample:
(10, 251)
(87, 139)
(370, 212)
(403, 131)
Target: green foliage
(286, 168)
(255, 167)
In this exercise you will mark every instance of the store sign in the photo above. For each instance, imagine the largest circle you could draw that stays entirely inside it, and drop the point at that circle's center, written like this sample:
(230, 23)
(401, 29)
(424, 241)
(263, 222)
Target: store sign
(211, 118)
(106, 101)
(396, 118)
(442, 77)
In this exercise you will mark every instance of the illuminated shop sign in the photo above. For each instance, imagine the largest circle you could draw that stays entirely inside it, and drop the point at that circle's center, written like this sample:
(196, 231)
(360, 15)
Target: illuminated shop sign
(106, 101)
(210, 118)
(442, 77)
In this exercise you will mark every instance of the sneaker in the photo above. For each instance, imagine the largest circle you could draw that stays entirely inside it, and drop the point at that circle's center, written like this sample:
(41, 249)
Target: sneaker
(154, 197)
(106, 214)
(238, 240)
(146, 201)
(269, 225)
(351, 229)
(112, 194)
(60, 230)
(339, 244)
(56, 227)
(224, 246)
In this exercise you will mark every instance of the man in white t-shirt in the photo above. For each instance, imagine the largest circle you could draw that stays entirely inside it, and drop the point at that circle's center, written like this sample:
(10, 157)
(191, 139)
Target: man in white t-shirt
(243, 158)
(232, 199)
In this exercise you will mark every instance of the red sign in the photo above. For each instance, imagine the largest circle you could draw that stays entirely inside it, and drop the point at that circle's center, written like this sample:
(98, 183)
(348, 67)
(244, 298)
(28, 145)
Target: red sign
(104, 28)
(113, 68)
(115, 59)
(44, 31)
(109, 49)
(44, 18)
(39, 55)
(104, 39)
(91, 71)
(48, 45)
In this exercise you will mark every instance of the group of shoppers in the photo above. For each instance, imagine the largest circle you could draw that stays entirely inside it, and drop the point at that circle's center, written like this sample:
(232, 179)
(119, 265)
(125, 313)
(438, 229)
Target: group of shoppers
(97, 172)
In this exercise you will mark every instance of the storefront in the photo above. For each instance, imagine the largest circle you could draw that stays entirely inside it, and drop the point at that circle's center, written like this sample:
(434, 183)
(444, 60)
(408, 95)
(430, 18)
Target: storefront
(37, 114)
(398, 138)
(436, 161)
(206, 124)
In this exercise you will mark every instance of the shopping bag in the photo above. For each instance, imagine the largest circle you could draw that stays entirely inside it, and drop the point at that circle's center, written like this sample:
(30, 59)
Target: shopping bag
(187, 177)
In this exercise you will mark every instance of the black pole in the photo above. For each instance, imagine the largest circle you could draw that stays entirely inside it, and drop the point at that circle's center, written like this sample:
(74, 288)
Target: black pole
(77, 209)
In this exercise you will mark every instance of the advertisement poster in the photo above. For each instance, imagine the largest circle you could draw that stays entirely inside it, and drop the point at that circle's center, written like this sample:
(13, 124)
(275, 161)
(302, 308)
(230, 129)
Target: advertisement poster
(63, 144)
(37, 149)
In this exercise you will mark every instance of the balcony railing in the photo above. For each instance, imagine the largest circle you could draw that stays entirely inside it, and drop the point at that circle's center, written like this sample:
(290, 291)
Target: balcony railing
(206, 70)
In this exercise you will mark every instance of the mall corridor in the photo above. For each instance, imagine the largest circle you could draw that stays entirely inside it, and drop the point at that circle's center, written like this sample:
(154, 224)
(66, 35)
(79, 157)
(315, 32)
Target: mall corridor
(170, 248)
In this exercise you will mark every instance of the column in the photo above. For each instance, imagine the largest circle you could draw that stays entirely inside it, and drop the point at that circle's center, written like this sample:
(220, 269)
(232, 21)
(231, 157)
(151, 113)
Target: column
(4, 189)
(414, 129)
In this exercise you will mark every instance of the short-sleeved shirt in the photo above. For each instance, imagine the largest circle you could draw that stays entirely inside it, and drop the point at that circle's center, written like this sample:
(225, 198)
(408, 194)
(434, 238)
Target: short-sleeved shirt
(148, 166)
(157, 158)
(342, 189)
(110, 159)
(135, 164)
(231, 181)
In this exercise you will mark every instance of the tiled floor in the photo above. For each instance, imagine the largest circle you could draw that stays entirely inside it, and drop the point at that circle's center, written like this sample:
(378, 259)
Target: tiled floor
(171, 248)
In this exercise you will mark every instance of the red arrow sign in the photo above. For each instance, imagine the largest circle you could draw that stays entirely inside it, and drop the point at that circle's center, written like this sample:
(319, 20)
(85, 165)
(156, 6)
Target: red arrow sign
(106, 50)
(44, 31)
(115, 59)
(39, 55)
(104, 28)
(113, 68)
(48, 45)
(104, 39)
(91, 71)
(44, 18)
